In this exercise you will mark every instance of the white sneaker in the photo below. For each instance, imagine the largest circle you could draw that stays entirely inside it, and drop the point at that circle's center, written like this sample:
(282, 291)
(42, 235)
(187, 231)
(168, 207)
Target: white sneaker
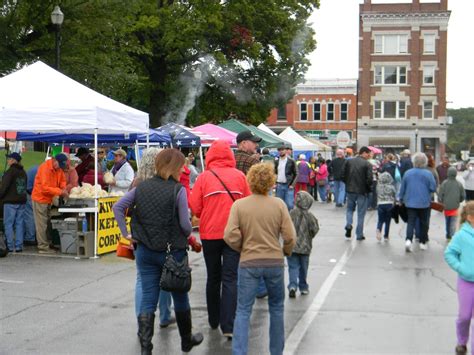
(408, 245)
(423, 246)
(378, 235)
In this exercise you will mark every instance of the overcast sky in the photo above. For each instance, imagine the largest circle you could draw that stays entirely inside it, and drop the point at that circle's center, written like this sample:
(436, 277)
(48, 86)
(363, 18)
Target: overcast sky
(337, 32)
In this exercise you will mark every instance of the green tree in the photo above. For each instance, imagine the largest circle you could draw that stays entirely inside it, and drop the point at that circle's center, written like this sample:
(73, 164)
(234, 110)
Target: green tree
(461, 131)
(147, 53)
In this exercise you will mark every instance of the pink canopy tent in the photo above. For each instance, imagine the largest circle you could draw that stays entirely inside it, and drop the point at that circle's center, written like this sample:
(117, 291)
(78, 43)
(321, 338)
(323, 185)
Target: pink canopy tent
(375, 150)
(218, 132)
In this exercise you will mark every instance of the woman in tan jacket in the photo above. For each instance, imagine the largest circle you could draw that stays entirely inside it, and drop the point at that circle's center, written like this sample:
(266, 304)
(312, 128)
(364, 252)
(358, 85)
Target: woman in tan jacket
(253, 229)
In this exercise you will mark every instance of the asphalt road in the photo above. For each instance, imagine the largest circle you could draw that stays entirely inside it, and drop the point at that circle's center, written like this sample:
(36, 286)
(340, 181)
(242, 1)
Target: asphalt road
(365, 298)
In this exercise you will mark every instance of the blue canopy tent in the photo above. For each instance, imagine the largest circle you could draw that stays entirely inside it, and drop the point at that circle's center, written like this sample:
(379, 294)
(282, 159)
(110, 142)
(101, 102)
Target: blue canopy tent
(181, 136)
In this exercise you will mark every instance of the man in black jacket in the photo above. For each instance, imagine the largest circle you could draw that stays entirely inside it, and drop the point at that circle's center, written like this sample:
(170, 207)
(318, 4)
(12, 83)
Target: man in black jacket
(357, 175)
(285, 169)
(13, 196)
(339, 186)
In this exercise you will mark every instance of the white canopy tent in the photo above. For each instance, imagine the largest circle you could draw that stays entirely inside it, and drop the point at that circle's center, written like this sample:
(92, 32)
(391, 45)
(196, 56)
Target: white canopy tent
(298, 142)
(265, 128)
(37, 98)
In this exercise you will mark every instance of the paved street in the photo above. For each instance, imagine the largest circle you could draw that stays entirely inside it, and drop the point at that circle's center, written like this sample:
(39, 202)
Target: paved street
(366, 298)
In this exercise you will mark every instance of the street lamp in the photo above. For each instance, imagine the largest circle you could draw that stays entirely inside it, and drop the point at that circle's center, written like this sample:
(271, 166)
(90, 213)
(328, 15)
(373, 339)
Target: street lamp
(416, 140)
(57, 18)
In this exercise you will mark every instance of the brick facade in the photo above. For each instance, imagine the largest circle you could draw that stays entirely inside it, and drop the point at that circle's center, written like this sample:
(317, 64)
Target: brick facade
(410, 112)
(323, 94)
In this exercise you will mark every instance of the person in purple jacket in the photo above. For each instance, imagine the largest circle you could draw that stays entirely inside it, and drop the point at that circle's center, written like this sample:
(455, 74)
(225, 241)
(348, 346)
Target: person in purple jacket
(160, 221)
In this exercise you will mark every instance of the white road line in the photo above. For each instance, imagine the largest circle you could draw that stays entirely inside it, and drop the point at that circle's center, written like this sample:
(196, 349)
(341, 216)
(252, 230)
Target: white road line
(300, 329)
(11, 282)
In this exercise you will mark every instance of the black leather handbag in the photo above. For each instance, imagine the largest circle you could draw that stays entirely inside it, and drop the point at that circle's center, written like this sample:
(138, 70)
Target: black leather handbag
(176, 276)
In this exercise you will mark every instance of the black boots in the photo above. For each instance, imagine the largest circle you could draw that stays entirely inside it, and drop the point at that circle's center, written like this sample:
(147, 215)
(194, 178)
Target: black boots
(146, 325)
(188, 339)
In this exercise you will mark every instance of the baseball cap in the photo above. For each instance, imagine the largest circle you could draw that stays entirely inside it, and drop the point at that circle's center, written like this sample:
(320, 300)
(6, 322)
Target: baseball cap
(121, 152)
(62, 160)
(15, 156)
(247, 136)
(82, 151)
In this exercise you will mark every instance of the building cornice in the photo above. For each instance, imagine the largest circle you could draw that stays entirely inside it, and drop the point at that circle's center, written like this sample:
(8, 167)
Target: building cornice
(400, 19)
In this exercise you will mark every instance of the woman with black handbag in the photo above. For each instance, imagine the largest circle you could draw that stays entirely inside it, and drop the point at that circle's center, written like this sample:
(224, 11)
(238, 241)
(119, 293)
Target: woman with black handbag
(160, 225)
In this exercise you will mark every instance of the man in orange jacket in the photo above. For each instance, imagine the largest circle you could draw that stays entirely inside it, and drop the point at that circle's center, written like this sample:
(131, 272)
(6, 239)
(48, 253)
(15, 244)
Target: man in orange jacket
(50, 181)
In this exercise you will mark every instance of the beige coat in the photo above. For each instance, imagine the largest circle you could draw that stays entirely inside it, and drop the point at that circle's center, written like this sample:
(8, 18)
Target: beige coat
(254, 228)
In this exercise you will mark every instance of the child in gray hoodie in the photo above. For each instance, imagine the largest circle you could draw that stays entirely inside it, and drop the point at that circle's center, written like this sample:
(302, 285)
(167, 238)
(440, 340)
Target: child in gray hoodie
(385, 200)
(451, 194)
(306, 226)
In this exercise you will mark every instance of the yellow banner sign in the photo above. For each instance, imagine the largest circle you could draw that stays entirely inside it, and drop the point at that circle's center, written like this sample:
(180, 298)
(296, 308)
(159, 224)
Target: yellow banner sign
(108, 231)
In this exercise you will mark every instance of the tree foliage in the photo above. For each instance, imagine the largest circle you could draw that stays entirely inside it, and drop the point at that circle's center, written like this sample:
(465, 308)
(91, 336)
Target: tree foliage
(461, 132)
(250, 54)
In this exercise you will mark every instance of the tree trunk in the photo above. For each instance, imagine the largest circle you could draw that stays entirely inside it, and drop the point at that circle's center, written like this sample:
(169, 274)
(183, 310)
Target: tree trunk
(158, 96)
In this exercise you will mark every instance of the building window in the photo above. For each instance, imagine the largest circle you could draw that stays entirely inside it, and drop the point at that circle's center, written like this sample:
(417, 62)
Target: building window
(391, 44)
(429, 43)
(389, 109)
(428, 75)
(330, 112)
(344, 109)
(390, 75)
(303, 111)
(281, 113)
(317, 111)
(428, 111)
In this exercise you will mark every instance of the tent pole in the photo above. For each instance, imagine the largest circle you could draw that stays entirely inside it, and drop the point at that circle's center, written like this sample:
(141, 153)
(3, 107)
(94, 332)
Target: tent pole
(148, 139)
(202, 159)
(137, 158)
(96, 198)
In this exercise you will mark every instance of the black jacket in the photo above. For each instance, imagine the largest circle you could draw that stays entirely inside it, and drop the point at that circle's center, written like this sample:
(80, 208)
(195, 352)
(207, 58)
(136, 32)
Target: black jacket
(337, 167)
(155, 220)
(405, 165)
(13, 186)
(357, 175)
(389, 167)
(290, 170)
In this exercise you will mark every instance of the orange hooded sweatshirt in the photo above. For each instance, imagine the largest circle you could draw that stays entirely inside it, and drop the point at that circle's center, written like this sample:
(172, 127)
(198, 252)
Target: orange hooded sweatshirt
(49, 182)
(209, 199)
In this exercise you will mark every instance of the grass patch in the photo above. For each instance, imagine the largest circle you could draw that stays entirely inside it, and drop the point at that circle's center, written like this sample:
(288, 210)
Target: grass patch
(28, 159)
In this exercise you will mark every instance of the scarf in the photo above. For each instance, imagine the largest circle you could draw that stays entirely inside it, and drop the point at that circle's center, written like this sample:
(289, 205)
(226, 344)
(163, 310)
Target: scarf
(117, 166)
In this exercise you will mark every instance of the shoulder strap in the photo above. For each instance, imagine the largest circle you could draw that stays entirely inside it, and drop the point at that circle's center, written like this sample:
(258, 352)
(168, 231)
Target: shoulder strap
(225, 187)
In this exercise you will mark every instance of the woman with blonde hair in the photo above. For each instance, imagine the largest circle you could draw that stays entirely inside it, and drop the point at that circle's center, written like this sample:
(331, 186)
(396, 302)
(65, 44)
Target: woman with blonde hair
(254, 228)
(160, 225)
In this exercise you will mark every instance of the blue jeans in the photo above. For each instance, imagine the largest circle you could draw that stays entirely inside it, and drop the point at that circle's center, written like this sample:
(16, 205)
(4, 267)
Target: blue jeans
(286, 194)
(13, 221)
(423, 215)
(164, 302)
(247, 291)
(339, 192)
(450, 225)
(298, 271)
(150, 266)
(29, 221)
(385, 217)
(359, 201)
(323, 191)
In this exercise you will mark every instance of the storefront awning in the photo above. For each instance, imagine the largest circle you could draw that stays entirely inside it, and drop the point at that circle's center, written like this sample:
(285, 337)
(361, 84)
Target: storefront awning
(390, 142)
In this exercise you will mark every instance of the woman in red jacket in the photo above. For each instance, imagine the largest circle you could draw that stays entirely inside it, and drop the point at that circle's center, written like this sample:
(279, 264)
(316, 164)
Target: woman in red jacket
(211, 199)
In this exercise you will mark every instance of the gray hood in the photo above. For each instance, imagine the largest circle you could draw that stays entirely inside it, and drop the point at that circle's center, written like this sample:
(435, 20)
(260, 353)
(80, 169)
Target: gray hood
(304, 200)
(452, 173)
(385, 178)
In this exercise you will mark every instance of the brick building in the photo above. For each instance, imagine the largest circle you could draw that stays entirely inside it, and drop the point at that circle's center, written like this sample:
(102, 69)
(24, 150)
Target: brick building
(402, 76)
(320, 109)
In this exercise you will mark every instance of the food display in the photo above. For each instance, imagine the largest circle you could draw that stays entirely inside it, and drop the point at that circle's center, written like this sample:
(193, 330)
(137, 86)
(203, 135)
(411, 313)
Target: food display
(109, 178)
(87, 191)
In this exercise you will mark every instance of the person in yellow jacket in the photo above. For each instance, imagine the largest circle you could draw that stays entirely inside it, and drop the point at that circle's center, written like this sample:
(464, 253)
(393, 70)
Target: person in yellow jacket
(50, 181)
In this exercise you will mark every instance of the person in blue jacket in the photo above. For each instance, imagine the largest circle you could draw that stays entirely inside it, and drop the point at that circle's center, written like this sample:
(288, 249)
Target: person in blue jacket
(460, 256)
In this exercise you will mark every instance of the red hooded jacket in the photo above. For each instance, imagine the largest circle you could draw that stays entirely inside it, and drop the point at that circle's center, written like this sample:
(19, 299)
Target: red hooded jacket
(184, 179)
(209, 199)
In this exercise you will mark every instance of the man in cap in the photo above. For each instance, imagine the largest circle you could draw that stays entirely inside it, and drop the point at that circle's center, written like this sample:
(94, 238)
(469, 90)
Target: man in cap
(86, 158)
(13, 197)
(247, 143)
(122, 171)
(285, 169)
(50, 181)
(357, 176)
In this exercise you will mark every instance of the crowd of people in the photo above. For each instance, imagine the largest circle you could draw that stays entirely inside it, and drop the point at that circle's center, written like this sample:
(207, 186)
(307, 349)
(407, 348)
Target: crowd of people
(246, 234)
